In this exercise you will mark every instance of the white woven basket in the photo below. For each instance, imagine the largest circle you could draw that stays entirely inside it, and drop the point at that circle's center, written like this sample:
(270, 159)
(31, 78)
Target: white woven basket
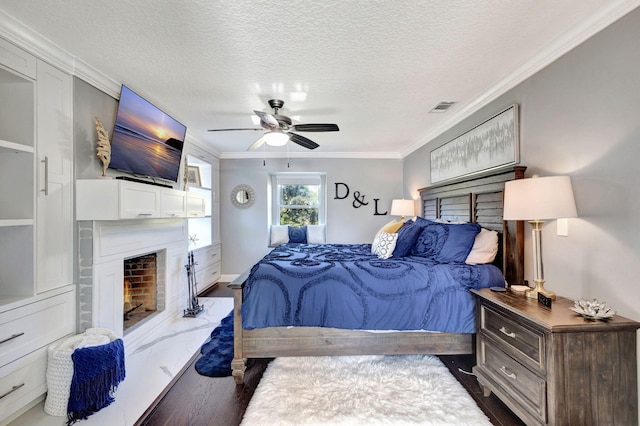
(60, 366)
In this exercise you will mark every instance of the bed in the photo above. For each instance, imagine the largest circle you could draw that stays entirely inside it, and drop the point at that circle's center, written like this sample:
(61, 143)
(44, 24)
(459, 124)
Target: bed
(299, 328)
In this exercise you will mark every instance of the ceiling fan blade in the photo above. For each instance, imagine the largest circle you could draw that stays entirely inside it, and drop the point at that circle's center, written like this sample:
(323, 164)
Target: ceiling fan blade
(267, 118)
(230, 130)
(318, 127)
(257, 144)
(302, 141)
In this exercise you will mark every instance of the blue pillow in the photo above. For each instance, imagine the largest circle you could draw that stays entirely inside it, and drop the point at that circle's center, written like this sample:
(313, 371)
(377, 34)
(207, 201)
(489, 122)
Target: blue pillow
(298, 235)
(407, 236)
(446, 242)
(422, 222)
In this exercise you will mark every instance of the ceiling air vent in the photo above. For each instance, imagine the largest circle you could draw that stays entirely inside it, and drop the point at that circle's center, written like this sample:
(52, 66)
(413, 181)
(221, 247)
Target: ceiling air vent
(443, 106)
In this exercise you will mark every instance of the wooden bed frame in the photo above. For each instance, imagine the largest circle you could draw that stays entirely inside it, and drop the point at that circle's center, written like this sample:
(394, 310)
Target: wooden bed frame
(478, 200)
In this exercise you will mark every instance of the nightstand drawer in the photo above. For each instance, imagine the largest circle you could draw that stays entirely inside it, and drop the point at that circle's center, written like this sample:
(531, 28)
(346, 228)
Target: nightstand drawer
(518, 382)
(528, 343)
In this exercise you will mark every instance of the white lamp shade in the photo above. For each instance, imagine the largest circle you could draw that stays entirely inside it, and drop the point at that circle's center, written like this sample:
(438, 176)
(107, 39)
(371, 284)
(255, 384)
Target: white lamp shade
(539, 198)
(402, 208)
(276, 138)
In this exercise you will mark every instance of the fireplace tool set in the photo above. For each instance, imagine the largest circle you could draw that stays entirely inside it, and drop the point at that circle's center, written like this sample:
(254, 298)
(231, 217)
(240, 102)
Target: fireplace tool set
(195, 308)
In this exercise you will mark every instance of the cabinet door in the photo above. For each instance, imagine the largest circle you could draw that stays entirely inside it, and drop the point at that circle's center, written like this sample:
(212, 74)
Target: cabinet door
(139, 201)
(173, 203)
(54, 231)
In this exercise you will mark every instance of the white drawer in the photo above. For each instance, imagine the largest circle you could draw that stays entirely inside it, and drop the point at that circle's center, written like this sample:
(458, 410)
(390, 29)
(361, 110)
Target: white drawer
(212, 254)
(206, 276)
(21, 382)
(29, 327)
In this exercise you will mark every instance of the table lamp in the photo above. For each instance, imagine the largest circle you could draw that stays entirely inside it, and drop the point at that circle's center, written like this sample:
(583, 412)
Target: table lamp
(535, 200)
(402, 208)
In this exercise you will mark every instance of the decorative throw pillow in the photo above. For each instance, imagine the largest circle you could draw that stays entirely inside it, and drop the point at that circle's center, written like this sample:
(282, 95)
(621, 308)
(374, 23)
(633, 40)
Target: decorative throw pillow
(485, 248)
(384, 244)
(298, 234)
(279, 235)
(315, 234)
(392, 227)
(445, 243)
(375, 238)
(407, 236)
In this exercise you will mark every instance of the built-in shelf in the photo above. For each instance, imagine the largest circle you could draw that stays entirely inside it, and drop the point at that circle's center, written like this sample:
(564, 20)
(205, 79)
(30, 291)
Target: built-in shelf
(15, 222)
(12, 147)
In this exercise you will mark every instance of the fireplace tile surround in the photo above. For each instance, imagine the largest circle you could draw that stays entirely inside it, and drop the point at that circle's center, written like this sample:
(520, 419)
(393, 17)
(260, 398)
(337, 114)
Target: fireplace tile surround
(103, 247)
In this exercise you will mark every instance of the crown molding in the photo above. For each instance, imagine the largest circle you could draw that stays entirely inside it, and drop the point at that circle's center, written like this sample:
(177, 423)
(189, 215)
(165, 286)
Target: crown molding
(314, 155)
(562, 45)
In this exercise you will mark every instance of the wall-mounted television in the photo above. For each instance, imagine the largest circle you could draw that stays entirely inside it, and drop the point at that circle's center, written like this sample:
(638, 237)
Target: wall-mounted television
(146, 141)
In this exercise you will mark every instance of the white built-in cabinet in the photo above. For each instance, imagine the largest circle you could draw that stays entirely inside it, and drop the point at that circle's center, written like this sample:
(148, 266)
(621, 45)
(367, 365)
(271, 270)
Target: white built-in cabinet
(204, 232)
(113, 199)
(37, 294)
(54, 231)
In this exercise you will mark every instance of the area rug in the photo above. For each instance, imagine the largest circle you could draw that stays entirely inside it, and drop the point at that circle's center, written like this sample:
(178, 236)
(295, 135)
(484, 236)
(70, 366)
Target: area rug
(217, 352)
(361, 390)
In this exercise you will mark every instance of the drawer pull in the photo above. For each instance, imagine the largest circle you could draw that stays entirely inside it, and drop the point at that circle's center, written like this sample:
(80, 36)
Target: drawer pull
(11, 338)
(13, 389)
(508, 373)
(507, 333)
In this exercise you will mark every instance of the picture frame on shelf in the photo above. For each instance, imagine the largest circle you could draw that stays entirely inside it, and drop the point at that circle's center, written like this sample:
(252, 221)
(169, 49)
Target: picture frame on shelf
(193, 176)
(490, 145)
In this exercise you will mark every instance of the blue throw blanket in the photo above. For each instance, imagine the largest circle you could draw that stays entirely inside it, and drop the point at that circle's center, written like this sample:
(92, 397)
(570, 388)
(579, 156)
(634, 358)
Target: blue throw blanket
(97, 371)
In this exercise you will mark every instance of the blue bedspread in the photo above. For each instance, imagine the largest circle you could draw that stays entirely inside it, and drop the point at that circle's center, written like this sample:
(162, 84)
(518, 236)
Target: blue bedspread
(345, 286)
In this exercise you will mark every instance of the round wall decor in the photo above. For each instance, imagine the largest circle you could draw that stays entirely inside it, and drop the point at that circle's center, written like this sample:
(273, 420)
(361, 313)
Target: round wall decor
(243, 196)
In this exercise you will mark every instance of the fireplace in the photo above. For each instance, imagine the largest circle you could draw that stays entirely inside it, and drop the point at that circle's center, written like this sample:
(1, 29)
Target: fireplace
(107, 250)
(141, 298)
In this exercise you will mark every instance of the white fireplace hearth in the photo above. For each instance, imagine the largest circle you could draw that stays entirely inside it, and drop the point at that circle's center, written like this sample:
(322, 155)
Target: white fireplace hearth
(103, 247)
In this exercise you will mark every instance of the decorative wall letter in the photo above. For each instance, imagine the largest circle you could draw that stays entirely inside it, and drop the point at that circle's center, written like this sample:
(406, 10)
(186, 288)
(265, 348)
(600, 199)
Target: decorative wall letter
(345, 195)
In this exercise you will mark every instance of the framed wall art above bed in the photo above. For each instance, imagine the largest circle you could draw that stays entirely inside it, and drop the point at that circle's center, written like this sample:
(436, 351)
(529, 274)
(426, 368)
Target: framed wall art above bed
(490, 145)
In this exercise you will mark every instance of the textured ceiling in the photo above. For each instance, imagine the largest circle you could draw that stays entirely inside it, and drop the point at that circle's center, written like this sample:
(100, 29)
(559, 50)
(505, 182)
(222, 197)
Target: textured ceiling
(375, 68)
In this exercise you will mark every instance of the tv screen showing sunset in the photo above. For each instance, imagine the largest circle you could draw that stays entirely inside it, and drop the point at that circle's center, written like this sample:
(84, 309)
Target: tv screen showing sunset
(146, 141)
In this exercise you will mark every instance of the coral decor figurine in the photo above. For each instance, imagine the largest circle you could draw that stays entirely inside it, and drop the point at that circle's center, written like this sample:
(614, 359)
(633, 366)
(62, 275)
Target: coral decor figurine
(104, 146)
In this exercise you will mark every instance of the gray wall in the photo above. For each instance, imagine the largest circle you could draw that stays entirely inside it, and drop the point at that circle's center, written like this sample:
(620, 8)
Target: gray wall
(89, 102)
(244, 232)
(580, 116)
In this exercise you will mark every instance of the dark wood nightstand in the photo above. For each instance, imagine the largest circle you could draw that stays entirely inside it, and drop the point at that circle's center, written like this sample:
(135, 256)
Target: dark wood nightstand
(551, 366)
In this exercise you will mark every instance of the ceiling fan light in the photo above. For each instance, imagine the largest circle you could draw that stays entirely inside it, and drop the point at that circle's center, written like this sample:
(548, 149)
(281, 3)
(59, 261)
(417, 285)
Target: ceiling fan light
(276, 138)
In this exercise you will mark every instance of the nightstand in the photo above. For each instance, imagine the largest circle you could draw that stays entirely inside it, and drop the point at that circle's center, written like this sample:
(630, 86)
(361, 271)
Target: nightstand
(551, 366)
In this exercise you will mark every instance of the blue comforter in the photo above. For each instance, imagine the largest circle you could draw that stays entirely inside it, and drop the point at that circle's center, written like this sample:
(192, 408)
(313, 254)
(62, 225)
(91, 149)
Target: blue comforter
(345, 286)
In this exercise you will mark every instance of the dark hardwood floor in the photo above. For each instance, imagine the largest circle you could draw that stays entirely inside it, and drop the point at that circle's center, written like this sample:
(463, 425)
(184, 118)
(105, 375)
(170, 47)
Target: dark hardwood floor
(195, 400)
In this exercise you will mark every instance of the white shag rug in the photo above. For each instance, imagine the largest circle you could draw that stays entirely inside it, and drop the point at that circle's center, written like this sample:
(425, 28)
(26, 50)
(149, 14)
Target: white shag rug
(361, 390)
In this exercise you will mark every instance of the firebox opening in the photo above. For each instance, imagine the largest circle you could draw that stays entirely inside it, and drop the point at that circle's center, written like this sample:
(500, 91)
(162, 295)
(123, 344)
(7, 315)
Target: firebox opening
(140, 289)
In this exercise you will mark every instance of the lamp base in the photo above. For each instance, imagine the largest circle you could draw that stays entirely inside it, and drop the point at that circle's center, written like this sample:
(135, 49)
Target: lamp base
(539, 288)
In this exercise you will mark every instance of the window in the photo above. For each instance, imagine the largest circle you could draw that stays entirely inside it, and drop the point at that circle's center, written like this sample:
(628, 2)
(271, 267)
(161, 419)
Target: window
(298, 199)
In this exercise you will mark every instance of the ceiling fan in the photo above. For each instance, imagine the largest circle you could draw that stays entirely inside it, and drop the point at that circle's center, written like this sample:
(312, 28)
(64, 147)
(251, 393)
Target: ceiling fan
(280, 129)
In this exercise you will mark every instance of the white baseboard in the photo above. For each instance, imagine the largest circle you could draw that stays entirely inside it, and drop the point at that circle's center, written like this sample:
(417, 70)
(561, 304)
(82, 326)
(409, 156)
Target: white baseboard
(227, 278)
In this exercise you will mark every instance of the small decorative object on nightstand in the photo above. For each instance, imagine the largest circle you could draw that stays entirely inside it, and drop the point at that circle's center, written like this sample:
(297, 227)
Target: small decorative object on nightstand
(551, 366)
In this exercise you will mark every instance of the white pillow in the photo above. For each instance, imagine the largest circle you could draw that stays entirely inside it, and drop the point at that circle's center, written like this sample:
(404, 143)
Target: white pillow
(384, 244)
(315, 234)
(279, 234)
(485, 247)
